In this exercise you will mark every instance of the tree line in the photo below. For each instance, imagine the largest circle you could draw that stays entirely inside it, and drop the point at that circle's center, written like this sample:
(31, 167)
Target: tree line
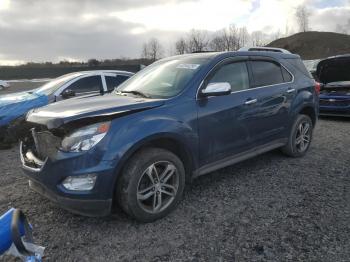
(230, 38)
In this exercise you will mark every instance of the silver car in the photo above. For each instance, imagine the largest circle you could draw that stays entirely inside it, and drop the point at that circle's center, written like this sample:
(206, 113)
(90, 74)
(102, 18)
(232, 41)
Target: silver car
(83, 83)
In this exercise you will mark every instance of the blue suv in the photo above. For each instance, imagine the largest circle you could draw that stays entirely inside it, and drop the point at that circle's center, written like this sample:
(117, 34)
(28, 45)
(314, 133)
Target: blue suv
(179, 118)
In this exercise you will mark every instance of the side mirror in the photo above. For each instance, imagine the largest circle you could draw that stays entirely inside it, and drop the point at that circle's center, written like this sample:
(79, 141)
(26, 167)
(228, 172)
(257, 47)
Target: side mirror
(68, 93)
(217, 89)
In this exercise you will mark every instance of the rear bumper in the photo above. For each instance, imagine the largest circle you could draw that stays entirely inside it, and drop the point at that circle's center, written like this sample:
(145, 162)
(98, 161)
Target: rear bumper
(85, 207)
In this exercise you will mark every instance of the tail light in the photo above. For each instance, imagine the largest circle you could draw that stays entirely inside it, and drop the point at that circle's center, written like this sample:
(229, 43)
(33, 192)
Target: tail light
(317, 87)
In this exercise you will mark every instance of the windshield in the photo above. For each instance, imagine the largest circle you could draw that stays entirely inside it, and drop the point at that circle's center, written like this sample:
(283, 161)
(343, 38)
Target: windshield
(50, 87)
(163, 79)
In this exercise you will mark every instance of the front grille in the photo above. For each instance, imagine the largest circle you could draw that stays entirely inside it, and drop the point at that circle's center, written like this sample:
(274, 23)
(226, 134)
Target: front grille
(334, 102)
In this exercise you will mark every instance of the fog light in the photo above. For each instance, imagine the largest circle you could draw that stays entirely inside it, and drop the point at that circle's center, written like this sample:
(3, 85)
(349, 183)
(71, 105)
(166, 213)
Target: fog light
(80, 183)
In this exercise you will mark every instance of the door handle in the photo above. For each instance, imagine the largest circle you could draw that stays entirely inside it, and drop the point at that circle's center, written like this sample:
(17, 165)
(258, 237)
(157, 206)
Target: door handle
(250, 101)
(290, 90)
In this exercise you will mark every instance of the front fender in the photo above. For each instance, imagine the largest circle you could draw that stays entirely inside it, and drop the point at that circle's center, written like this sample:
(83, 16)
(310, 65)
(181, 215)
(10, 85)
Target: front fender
(130, 133)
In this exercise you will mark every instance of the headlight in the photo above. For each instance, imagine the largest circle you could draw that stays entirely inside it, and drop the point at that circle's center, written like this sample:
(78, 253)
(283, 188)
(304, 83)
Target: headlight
(85, 138)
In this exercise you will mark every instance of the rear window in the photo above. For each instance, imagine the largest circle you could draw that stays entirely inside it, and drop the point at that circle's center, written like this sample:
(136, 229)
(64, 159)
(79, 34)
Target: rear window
(266, 73)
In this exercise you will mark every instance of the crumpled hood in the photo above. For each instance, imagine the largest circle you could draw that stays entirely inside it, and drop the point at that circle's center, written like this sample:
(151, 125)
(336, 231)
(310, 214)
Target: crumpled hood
(111, 105)
(15, 105)
(334, 69)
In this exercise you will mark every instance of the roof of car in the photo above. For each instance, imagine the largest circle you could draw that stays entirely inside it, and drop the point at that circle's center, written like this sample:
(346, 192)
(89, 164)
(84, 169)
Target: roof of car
(91, 72)
(212, 55)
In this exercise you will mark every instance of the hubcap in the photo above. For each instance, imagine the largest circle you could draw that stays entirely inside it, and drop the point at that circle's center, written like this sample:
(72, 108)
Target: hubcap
(157, 187)
(303, 136)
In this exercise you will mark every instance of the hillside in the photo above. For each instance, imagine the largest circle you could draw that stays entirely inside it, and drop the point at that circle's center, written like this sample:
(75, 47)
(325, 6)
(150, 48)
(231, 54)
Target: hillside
(315, 45)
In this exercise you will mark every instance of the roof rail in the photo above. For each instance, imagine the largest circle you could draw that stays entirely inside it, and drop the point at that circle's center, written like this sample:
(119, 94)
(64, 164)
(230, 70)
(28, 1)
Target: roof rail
(266, 49)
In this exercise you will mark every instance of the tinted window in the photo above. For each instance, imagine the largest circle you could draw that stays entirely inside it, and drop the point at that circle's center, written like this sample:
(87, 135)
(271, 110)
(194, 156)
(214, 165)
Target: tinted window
(286, 75)
(114, 81)
(236, 74)
(266, 73)
(87, 84)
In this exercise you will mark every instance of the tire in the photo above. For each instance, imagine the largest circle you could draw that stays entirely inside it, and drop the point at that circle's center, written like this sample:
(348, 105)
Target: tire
(142, 178)
(294, 146)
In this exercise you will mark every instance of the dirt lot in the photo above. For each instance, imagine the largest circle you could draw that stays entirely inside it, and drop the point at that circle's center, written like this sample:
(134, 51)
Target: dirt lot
(270, 208)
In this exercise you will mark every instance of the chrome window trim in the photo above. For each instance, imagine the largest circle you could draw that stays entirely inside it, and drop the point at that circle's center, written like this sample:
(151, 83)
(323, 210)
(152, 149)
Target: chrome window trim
(239, 91)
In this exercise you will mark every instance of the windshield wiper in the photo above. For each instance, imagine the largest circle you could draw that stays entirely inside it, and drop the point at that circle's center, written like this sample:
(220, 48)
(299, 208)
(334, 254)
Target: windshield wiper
(135, 92)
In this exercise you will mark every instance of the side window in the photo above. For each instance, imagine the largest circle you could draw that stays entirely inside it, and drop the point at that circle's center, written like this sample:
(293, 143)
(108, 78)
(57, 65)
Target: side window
(266, 73)
(286, 75)
(87, 84)
(114, 81)
(236, 74)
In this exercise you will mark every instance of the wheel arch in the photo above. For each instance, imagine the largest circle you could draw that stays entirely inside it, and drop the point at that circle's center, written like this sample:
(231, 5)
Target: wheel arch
(167, 141)
(309, 111)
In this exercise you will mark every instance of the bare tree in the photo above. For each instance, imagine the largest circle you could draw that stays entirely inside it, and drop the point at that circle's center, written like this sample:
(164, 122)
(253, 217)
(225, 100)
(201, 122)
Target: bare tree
(302, 14)
(231, 37)
(226, 39)
(197, 41)
(257, 38)
(218, 44)
(145, 51)
(276, 35)
(152, 50)
(243, 37)
(180, 46)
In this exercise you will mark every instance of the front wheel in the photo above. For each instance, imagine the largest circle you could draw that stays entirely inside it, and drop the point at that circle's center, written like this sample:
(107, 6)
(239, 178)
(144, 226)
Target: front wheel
(300, 137)
(151, 185)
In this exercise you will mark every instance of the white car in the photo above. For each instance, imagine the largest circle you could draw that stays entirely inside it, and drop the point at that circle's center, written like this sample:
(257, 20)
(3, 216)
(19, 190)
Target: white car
(3, 84)
(82, 83)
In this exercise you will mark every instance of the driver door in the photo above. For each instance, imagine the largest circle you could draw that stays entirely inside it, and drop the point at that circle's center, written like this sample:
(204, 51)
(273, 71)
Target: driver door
(224, 120)
(90, 85)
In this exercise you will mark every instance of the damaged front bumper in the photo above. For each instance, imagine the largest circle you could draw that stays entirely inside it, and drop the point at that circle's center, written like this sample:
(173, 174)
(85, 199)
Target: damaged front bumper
(49, 167)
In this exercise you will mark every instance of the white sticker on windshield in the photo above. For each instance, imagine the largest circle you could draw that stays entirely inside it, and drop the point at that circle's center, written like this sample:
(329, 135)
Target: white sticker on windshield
(188, 66)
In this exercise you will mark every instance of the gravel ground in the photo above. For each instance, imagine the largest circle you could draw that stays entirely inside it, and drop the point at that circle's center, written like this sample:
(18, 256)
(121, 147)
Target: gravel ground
(270, 208)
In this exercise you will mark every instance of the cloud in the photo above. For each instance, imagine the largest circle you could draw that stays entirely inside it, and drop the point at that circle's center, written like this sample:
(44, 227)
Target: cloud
(43, 30)
(335, 17)
(204, 14)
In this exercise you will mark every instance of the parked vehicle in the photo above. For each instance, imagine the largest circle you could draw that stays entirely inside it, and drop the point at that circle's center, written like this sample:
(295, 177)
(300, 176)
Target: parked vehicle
(177, 119)
(4, 84)
(16, 105)
(334, 74)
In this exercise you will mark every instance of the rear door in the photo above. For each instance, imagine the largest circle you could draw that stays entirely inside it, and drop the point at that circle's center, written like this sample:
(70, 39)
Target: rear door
(272, 92)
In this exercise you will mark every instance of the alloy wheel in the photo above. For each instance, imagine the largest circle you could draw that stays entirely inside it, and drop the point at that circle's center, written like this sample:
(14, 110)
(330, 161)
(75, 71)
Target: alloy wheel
(303, 136)
(157, 187)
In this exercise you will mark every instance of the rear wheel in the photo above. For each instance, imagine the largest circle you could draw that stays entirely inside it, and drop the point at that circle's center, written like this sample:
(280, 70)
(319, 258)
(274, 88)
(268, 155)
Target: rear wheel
(151, 185)
(300, 137)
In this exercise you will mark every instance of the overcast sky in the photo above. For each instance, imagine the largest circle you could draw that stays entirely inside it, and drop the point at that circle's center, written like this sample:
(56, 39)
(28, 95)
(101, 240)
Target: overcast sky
(48, 30)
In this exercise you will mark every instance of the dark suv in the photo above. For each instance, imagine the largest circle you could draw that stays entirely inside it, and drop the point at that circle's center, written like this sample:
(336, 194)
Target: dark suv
(177, 119)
